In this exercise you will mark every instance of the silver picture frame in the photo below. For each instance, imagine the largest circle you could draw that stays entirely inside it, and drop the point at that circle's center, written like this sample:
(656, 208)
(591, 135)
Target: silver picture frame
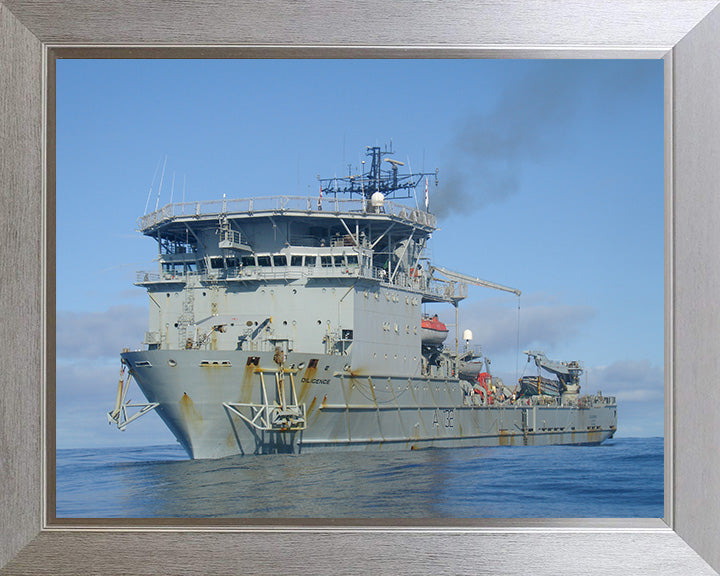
(685, 33)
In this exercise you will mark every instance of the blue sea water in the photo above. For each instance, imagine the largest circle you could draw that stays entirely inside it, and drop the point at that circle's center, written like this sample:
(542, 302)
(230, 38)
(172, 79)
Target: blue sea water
(620, 478)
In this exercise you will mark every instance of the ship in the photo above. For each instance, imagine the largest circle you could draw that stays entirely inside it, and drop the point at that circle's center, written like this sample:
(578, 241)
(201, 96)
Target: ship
(287, 324)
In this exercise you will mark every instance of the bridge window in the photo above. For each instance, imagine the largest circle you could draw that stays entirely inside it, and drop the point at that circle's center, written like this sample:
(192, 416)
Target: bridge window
(310, 260)
(263, 260)
(280, 260)
(248, 261)
(326, 261)
(216, 263)
(339, 260)
(296, 260)
(231, 262)
(352, 259)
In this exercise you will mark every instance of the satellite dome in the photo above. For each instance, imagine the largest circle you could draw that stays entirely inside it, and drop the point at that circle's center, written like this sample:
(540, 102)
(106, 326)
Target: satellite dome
(467, 335)
(377, 199)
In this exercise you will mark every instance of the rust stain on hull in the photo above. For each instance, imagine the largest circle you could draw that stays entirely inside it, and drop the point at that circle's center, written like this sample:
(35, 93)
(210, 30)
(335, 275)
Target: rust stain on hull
(313, 413)
(247, 384)
(505, 438)
(306, 383)
(192, 417)
(594, 436)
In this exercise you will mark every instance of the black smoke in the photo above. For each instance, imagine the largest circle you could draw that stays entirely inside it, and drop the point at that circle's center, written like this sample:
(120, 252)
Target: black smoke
(529, 122)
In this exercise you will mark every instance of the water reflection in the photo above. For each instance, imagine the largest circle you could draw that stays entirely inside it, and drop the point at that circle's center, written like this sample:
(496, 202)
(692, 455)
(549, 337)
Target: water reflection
(618, 479)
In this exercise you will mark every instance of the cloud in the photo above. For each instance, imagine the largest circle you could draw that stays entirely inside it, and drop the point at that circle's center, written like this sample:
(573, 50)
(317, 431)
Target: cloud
(103, 334)
(85, 391)
(629, 381)
(86, 377)
(543, 324)
(638, 386)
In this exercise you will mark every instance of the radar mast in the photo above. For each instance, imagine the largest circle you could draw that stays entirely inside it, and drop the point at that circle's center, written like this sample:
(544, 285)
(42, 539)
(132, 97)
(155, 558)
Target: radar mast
(390, 182)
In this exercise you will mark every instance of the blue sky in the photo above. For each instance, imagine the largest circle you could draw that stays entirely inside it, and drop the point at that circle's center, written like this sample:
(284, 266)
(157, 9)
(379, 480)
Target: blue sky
(550, 180)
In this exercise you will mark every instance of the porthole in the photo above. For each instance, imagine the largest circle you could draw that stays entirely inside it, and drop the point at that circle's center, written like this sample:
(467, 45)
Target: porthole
(172, 362)
(301, 365)
(248, 323)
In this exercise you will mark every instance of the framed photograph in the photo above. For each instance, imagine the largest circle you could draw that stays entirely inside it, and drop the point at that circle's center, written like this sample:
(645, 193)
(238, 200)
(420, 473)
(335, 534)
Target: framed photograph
(317, 325)
(682, 34)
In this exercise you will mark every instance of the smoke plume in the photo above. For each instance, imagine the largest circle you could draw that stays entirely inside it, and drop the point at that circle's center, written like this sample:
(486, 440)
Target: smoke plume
(530, 120)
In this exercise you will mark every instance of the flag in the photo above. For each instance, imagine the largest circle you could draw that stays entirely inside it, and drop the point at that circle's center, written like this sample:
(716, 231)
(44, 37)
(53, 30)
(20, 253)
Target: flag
(320, 199)
(427, 197)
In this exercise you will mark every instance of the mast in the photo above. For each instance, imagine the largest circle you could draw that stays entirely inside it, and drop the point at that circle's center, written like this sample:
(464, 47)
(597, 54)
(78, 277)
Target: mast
(387, 181)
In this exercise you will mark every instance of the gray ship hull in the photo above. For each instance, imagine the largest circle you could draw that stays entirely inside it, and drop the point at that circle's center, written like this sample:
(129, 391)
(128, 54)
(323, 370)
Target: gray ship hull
(222, 403)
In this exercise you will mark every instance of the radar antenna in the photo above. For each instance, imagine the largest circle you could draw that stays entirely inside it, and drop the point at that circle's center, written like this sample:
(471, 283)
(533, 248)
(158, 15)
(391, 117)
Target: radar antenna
(388, 181)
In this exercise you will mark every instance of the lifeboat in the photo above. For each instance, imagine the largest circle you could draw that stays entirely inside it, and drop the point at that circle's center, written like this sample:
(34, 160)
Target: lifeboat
(432, 330)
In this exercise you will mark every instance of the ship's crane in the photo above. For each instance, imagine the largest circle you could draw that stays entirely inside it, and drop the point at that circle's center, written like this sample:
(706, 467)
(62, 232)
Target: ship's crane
(567, 372)
(472, 280)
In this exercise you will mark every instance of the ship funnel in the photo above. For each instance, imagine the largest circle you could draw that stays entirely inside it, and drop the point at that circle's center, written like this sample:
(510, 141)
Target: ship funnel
(467, 335)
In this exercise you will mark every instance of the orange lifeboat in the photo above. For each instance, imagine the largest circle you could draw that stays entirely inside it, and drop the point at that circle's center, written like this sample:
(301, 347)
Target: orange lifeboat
(432, 330)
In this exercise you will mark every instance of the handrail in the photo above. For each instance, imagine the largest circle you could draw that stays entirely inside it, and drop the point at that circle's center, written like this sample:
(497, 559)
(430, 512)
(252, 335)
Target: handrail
(281, 204)
(446, 290)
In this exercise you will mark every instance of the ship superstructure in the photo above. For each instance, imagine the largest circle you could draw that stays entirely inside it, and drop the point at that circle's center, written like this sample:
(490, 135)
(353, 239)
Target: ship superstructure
(287, 324)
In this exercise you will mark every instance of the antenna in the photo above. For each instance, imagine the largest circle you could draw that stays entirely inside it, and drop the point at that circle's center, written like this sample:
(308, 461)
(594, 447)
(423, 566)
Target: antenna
(157, 202)
(157, 167)
(375, 177)
(414, 191)
(172, 187)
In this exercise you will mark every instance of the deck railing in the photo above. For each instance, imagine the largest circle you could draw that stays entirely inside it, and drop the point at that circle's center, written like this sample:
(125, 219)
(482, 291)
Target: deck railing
(282, 204)
(438, 289)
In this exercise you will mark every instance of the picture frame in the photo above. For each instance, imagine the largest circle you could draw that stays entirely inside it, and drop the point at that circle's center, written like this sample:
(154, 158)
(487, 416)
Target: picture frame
(683, 32)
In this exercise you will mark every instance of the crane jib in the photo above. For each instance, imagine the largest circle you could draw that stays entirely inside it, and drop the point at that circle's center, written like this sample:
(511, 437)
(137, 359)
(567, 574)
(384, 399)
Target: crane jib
(475, 281)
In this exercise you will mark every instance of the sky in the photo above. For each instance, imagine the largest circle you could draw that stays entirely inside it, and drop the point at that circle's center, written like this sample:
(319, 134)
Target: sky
(550, 180)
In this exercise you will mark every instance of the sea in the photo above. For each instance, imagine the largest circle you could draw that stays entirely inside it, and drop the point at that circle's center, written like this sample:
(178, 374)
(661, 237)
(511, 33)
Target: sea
(621, 478)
